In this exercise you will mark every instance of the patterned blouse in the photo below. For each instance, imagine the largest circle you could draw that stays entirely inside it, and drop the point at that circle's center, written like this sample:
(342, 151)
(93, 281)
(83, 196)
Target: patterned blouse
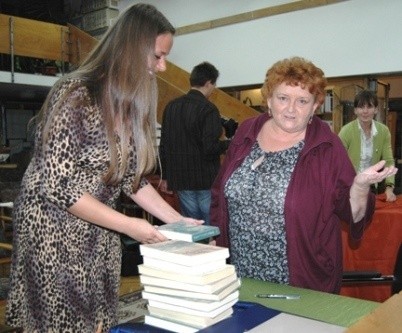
(256, 195)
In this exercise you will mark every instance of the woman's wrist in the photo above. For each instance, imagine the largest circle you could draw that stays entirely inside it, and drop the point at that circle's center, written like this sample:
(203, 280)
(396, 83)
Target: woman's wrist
(389, 188)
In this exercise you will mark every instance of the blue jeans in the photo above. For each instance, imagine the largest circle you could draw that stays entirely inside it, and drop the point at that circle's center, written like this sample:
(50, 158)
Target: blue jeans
(195, 204)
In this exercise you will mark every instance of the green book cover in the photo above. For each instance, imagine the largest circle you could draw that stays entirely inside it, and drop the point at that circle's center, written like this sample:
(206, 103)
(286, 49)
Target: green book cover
(188, 232)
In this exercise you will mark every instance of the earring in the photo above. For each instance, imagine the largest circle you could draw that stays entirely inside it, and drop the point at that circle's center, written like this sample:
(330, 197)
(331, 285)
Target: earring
(310, 120)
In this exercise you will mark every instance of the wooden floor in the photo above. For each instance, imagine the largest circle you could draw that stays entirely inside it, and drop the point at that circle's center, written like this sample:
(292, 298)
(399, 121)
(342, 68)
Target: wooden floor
(127, 285)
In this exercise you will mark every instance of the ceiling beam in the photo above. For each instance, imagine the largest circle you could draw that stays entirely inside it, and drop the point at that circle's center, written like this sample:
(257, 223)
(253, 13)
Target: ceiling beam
(253, 15)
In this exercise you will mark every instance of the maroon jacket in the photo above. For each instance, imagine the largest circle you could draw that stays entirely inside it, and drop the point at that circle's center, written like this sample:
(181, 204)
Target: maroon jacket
(316, 202)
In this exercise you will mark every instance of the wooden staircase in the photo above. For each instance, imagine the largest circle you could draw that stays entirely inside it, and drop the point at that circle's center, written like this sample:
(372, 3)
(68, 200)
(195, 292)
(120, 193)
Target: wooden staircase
(175, 82)
(68, 44)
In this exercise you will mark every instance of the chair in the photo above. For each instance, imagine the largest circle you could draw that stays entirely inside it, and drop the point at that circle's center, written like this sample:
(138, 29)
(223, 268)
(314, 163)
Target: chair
(5, 257)
(5, 261)
(5, 218)
(375, 277)
(5, 242)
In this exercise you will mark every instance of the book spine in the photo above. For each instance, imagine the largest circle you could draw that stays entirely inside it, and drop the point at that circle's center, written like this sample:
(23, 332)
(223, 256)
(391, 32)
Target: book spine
(204, 235)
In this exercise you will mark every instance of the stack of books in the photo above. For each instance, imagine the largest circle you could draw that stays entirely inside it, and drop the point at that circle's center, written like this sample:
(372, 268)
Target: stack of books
(188, 285)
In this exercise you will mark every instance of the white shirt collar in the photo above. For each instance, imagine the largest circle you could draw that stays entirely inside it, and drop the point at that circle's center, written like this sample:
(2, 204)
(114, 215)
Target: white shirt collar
(373, 128)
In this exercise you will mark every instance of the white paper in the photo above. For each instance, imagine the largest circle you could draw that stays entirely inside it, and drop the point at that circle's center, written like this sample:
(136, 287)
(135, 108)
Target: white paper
(285, 323)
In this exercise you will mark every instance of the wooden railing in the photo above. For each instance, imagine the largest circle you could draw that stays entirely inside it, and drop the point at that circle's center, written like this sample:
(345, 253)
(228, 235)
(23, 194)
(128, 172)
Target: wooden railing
(37, 39)
(175, 82)
(42, 40)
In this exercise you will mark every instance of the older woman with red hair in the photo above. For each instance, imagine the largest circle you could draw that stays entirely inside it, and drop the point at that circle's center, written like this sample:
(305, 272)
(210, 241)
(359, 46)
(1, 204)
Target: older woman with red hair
(287, 183)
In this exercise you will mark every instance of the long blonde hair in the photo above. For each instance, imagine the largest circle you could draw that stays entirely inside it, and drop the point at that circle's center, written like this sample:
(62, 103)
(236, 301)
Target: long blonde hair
(116, 74)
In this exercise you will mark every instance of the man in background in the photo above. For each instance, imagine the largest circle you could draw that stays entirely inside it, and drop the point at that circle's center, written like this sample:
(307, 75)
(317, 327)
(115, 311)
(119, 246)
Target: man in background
(190, 146)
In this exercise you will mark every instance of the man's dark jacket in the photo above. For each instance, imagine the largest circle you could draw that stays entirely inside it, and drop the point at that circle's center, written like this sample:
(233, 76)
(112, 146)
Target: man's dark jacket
(190, 146)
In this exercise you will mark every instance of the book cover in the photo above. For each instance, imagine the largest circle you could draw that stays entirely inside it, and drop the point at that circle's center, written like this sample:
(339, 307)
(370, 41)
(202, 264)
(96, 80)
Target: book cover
(203, 279)
(218, 295)
(186, 319)
(194, 312)
(188, 232)
(201, 269)
(192, 303)
(185, 253)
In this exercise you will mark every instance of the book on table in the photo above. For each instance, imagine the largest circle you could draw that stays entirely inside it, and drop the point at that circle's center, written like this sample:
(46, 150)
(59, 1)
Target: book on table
(192, 303)
(200, 269)
(185, 310)
(169, 325)
(196, 321)
(168, 316)
(206, 278)
(238, 319)
(171, 286)
(213, 296)
(188, 232)
(185, 253)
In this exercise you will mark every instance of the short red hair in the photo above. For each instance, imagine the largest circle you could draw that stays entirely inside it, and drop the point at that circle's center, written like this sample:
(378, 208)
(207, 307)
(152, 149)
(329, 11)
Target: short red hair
(295, 71)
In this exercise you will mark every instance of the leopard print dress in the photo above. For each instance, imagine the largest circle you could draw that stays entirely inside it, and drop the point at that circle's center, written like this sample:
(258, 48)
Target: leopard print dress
(65, 272)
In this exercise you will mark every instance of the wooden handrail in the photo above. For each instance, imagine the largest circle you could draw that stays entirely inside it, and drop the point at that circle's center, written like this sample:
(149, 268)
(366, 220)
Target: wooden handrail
(81, 43)
(175, 82)
(31, 38)
(43, 40)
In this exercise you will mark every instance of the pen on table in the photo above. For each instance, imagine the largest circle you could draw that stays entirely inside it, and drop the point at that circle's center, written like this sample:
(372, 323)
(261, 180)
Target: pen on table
(279, 296)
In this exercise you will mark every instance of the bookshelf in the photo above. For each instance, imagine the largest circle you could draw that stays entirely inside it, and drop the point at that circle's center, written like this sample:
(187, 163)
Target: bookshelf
(331, 111)
(338, 108)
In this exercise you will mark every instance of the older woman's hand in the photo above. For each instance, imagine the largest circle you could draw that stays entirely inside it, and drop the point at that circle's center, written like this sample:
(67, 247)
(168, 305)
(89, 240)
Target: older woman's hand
(374, 174)
(361, 187)
(190, 220)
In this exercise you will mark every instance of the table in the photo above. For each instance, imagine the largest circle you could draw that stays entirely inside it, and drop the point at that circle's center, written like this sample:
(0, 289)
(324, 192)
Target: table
(329, 308)
(377, 249)
(334, 309)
